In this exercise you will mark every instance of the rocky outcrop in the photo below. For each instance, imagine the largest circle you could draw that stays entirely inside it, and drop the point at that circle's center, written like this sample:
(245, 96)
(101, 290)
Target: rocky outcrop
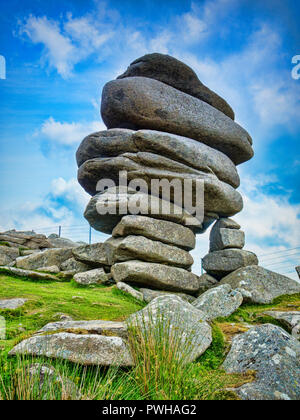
(259, 285)
(177, 320)
(220, 301)
(274, 355)
(29, 240)
(174, 73)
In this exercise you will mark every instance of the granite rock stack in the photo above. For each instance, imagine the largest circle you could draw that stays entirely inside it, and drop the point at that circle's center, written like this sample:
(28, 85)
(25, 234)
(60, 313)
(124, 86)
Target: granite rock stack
(164, 124)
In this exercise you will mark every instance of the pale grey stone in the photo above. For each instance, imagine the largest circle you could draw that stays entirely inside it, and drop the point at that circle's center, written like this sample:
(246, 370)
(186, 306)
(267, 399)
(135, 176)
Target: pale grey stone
(140, 248)
(274, 355)
(99, 327)
(34, 275)
(8, 255)
(226, 238)
(259, 285)
(154, 275)
(12, 303)
(130, 290)
(220, 301)
(290, 319)
(158, 230)
(95, 276)
(179, 321)
(46, 258)
(169, 70)
(220, 263)
(93, 255)
(149, 295)
(86, 349)
(149, 104)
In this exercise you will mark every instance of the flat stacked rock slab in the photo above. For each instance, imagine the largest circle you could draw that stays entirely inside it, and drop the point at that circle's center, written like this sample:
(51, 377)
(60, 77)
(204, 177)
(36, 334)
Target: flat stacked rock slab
(158, 276)
(150, 104)
(157, 230)
(259, 285)
(34, 275)
(29, 240)
(175, 73)
(140, 248)
(177, 320)
(274, 355)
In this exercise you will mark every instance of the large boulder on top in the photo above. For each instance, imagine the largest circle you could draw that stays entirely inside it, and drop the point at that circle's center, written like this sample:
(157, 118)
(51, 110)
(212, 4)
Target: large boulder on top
(140, 248)
(274, 355)
(155, 275)
(220, 263)
(159, 230)
(139, 102)
(177, 321)
(86, 349)
(259, 285)
(175, 73)
(219, 197)
(220, 301)
(190, 152)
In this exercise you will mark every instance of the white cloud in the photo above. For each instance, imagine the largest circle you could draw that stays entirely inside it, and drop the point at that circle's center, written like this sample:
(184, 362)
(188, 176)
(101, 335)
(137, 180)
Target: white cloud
(68, 133)
(70, 190)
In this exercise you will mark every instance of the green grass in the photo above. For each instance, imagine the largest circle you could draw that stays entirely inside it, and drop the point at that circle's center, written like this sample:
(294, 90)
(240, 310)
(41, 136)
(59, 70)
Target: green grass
(45, 299)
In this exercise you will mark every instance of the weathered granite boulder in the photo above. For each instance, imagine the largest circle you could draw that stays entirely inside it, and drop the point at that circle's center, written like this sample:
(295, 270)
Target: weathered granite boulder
(12, 303)
(33, 275)
(99, 327)
(220, 301)
(221, 263)
(179, 322)
(226, 223)
(96, 276)
(29, 240)
(46, 258)
(140, 248)
(156, 275)
(124, 287)
(219, 197)
(86, 349)
(190, 152)
(150, 104)
(115, 202)
(92, 255)
(175, 73)
(58, 242)
(149, 295)
(206, 282)
(8, 255)
(274, 355)
(157, 230)
(226, 238)
(290, 319)
(74, 266)
(259, 285)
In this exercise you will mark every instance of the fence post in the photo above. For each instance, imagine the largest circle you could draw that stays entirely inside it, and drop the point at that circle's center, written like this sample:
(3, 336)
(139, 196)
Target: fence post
(59, 231)
(90, 235)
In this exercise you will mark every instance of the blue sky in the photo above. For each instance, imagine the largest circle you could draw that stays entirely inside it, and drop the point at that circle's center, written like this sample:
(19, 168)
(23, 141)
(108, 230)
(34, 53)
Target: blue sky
(59, 54)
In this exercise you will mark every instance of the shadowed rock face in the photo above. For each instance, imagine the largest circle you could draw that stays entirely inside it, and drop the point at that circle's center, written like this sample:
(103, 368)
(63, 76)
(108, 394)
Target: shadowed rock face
(175, 73)
(149, 104)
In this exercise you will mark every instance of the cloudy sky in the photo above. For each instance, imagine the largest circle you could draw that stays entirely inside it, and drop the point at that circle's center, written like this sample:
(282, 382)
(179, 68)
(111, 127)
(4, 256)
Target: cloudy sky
(59, 54)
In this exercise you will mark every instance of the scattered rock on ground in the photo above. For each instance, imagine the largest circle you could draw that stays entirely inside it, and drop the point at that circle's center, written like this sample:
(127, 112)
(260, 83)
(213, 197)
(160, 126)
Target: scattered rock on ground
(156, 275)
(259, 285)
(12, 303)
(86, 349)
(96, 276)
(274, 355)
(178, 317)
(130, 290)
(220, 301)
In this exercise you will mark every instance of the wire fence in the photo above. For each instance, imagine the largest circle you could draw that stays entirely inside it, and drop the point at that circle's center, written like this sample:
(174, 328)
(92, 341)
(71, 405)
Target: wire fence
(283, 262)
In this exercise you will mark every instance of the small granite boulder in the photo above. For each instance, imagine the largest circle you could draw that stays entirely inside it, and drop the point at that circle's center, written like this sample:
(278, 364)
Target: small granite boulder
(96, 276)
(130, 290)
(179, 321)
(259, 285)
(274, 355)
(12, 303)
(226, 238)
(220, 301)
